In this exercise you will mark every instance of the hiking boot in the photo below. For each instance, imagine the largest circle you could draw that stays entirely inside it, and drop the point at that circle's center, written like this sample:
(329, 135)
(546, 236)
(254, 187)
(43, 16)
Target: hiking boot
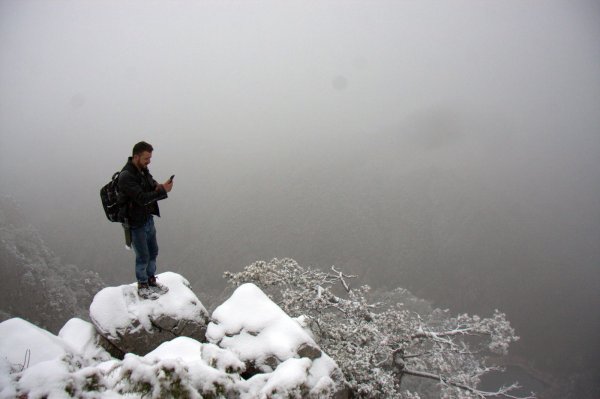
(145, 292)
(156, 286)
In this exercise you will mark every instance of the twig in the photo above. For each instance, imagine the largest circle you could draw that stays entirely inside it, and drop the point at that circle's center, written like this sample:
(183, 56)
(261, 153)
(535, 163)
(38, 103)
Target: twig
(26, 360)
(341, 276)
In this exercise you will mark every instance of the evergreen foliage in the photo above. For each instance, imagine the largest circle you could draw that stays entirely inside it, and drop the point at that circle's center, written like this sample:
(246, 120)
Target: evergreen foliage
(35, 285)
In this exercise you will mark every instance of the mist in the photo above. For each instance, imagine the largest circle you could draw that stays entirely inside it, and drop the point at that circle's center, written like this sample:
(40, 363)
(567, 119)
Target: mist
(448, 148)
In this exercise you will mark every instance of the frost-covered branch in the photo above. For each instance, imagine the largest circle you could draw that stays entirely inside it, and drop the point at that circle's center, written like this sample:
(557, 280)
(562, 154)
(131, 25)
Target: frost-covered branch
(502, 392)
(444, 334)
(341, 276)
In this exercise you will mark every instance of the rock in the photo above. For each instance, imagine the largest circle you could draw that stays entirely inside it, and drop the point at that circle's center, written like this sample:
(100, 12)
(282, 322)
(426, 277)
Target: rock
(255, 350)
(310, 351)
(257, 330)
(130, 324)
(84, 339)
(24, 344)
(274, 347)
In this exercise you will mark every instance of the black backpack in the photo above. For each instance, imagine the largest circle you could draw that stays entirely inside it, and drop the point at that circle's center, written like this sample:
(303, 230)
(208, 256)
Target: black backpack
(113, 207)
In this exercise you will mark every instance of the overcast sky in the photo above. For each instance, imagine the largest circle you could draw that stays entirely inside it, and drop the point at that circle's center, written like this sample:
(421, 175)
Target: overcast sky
(416, 141)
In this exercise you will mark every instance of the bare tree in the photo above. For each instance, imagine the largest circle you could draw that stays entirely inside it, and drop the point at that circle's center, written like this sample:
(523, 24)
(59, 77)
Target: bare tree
(378, 344)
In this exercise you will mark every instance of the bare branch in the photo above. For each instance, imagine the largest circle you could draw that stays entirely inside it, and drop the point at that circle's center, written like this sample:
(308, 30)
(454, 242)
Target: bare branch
(429, 353)
(502, 392)
(341, 276)
(443, 334)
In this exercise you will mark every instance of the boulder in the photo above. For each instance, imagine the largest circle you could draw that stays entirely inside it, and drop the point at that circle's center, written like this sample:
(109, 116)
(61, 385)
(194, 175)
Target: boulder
(130, 324)
(85, 340)
(279, 355)
(255, 350)
(24, 344)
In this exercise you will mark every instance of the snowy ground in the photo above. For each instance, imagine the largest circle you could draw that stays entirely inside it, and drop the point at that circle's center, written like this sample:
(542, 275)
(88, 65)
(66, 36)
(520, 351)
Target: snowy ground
(253, 350)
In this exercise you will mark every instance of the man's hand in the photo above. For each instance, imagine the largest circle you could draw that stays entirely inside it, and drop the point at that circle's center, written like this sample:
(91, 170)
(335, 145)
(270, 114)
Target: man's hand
(168, 185)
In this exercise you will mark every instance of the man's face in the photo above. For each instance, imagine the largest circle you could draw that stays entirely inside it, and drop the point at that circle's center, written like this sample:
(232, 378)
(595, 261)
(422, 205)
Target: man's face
(142, 160)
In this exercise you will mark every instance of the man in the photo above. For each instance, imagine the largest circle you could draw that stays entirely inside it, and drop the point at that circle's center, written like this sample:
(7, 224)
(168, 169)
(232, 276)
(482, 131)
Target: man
(140, 193)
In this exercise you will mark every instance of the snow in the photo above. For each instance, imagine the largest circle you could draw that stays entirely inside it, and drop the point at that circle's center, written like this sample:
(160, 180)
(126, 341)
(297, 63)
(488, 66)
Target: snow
(24, 344)
(289, 374)
(110, 309)
(222, 359)
(254, 327)
(116, 308)
(248, 327)
(321, 369)
(46, 379)
(183, 348)
(189, 350)
(81, 336)
(7, 386)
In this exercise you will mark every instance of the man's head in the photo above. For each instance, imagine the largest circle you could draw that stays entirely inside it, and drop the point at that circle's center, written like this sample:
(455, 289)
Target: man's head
(141, 154)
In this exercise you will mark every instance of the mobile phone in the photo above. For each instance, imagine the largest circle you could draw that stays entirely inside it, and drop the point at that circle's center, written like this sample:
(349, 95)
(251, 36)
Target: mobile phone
(172, 177)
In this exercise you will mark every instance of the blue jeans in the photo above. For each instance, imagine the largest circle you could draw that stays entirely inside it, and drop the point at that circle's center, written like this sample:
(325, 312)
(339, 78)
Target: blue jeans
(143, 240)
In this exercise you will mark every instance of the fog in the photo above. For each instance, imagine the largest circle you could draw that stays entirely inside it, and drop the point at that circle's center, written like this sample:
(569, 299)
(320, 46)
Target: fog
(451, 148)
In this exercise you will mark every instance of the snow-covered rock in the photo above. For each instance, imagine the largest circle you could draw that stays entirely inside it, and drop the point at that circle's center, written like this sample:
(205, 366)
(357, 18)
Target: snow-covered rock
(35, 353)
(256, 351)
(280, 356)
(131, 324)
(259, 331)
(84, 339)
(23, 344)
(155, 376)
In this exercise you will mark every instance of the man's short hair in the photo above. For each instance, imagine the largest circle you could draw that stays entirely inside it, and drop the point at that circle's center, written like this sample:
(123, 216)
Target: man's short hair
(140, 147)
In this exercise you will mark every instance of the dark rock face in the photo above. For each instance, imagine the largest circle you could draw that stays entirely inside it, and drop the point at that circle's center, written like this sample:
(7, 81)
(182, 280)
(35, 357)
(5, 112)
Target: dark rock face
(130, 324)
(310, 351)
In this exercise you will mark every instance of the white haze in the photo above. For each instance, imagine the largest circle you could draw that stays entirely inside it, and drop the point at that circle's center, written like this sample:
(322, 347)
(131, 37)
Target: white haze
(448, 147)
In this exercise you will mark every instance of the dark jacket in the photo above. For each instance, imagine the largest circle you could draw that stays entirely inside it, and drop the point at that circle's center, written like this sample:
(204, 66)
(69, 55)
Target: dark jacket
(139, 193)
